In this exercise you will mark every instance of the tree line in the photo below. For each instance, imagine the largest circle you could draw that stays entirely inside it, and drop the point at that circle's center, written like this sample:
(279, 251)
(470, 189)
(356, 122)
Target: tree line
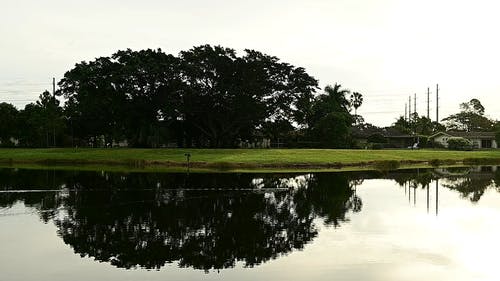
(207, 96)
(470, 118)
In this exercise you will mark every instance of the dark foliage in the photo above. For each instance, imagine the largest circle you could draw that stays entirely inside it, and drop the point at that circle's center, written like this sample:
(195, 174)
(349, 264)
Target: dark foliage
(208, 96)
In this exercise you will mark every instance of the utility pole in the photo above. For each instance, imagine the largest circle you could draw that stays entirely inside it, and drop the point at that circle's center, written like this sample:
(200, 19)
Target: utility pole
(437, 103)
(406, 111)
(55, 106)
(409, 108)
(428, 101)
(415, 108)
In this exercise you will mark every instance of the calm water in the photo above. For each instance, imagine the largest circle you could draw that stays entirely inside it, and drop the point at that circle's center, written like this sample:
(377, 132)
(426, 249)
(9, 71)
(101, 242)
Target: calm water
(405, 225)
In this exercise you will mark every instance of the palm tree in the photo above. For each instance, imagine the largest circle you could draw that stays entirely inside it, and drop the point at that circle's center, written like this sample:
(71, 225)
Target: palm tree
(338, 95)
(356, 101)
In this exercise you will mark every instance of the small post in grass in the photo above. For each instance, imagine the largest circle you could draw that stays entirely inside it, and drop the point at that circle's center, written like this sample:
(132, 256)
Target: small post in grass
(188, 156)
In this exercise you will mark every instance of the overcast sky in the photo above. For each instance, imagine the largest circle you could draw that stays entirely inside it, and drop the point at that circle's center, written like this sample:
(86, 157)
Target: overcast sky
(384, 49)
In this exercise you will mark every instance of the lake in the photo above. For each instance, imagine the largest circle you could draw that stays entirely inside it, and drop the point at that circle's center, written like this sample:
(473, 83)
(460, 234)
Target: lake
(418, 224)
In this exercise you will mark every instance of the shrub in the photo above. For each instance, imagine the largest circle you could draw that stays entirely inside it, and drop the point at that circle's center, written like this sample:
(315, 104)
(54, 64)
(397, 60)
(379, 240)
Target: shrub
(377, 146)
(459, 144)
(423, 142)
(435, 162)
(441, 162)
(390, 145)
(433, 144)
(377, 138)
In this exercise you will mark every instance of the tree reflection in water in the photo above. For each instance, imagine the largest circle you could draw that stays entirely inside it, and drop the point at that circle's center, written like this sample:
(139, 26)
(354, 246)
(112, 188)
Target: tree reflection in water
(201, 221)
(205, 221)
(470, 182)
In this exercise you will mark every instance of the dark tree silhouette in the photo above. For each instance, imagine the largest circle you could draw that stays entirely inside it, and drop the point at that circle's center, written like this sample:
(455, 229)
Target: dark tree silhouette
(471, 118)
(330, 120)
(9, 117)
(207, 96)
(356, 101)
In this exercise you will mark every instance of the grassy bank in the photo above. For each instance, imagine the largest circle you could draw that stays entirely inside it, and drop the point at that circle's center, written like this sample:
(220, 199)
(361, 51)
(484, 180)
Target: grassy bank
(246, 158)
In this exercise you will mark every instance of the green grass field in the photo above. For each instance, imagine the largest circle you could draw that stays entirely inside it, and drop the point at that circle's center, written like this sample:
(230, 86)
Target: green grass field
(238, 158)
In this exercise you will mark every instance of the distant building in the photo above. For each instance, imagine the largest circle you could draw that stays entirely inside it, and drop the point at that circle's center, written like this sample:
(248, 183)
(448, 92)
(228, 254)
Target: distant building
(13, 141)
(119, 143)
(401, 140)
(479, 139)
(258, 143)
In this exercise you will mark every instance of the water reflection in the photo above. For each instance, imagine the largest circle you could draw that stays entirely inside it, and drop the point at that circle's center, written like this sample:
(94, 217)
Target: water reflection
(470, 182)
(209, 221)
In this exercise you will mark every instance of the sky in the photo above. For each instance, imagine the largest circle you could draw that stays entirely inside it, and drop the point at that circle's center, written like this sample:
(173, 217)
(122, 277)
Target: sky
(386, 49)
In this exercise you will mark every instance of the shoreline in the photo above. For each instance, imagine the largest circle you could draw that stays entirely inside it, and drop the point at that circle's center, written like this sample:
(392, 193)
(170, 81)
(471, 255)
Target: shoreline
(243, 160)
(183, 169)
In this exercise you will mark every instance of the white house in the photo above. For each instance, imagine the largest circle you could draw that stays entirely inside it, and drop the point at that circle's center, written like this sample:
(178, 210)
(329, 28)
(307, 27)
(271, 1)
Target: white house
(13, 141)
(479, 139)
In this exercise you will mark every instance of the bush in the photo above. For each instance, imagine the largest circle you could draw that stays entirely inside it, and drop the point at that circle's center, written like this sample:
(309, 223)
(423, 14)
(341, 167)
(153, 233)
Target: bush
(433, 144)
(391, 145)
(377, 138)
(377, 146)
(423, 142)
(441, 162)
(459, 144)
(435, 162)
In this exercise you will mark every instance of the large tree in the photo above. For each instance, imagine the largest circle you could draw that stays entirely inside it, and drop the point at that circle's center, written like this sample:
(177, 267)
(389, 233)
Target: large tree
(122, 96)
(9, 116)
(356, 101)
(471, 118)
(330, 120)
(94, 98)
(208, 95)
(420, 125)
(227, 97)
(151, 83)
(42, 122)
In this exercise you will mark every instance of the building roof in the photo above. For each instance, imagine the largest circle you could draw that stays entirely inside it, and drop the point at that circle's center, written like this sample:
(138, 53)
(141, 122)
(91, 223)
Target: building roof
(401, 137)
(467, 135)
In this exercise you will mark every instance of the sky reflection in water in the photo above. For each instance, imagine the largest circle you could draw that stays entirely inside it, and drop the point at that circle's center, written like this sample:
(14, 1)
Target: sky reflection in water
(346, 226)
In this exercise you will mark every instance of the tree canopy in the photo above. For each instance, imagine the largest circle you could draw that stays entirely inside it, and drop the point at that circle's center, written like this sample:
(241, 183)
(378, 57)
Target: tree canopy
(471, 118)
(330, 120)
(207, 96)
(8, 125)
